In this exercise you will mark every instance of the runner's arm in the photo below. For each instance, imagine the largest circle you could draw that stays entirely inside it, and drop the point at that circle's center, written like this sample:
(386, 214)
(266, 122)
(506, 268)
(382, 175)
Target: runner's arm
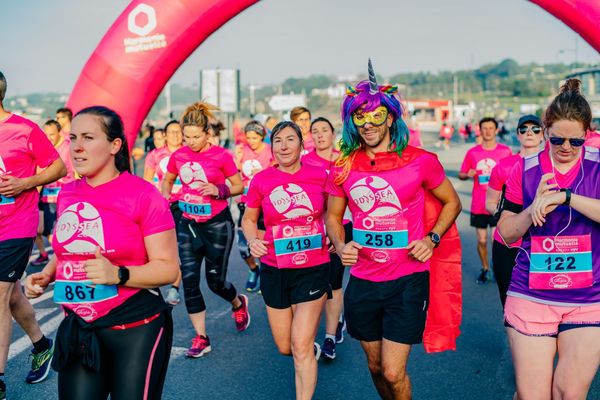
(256, 245)
(167, 184)
(451, 207)
(237, 187)
(36, 283)
(587, 206)
(149, 174)
(12, 186)
(333, 221)
(492, 197)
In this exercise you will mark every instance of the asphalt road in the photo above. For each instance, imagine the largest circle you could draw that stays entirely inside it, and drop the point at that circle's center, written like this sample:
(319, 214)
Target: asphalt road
(247, 365)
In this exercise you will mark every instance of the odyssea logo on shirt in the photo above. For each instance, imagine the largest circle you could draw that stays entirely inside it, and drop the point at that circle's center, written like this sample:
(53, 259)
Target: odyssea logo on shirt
(249, 166)
(375, 196)
(2, 167)
(142, 21)
(291, 201)
(485, 166)
(163, 164)
(79, 229)
(192, 174)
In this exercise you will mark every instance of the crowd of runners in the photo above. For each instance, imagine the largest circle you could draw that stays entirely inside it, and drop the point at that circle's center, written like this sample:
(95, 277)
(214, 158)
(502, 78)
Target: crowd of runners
(308, 208)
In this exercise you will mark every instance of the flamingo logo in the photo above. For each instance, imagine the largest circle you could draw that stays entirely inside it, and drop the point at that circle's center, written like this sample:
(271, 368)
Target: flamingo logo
(79, 229)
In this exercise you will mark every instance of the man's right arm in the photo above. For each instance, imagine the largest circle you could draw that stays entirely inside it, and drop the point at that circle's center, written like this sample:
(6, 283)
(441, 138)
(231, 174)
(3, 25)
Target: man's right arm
(335, 228)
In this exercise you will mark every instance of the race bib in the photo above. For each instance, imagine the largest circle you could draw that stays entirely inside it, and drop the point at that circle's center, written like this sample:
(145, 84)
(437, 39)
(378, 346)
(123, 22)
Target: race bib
(298, 246)
(73, 287)
(195, 206)
(50, 195)
(381, 237)
(562, 262)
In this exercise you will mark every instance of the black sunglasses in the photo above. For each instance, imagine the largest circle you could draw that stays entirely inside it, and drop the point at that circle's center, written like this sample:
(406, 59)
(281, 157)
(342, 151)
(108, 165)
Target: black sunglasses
(535, 129)
(558, 141)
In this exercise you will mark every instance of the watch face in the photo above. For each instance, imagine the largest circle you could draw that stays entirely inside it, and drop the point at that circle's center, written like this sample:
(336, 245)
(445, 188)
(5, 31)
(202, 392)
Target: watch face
(435, 237)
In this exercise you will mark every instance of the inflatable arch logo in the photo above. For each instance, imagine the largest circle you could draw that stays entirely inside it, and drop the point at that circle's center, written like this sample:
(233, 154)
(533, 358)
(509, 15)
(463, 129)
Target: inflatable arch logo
(152, 38)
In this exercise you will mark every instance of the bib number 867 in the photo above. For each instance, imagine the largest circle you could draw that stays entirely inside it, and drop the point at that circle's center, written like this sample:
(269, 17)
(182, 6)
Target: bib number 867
(79, 292)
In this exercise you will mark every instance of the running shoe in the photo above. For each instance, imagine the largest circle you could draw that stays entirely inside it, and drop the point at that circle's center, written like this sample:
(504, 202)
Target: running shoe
(483, 277)
(40, 364)
(241, 315)
(173, 297)
(328, 349)
(200, 346)
(317, 349)
(339, 332)
(40, 260)
(252, 284)
(490, 276)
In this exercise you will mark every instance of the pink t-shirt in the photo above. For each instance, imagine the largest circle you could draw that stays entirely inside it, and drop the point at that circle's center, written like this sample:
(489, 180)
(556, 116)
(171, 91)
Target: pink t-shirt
(309, 144)
(214, 166)
(498, 179)
(414, 138)
(251, 163)
(50, 191)
(158, 159)
(24, 146)
(293, 206)
(316, 160)
(593, 139)
(514, 184)
(483, 161)
(90, 217)
(387, 213)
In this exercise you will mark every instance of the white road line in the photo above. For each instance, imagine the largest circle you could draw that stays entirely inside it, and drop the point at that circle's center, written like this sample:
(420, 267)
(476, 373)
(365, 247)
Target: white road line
(23, 343)
(177, 352)
(43, 297)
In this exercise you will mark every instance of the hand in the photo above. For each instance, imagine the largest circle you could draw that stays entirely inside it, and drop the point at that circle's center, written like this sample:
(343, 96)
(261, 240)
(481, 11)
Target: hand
(258, 247)
(100, 270)
(421, 250)
(471, 173)
(349, 253)
(36, 284)
(330, 246)
(208, 189)
(546, 200)
(11, 186)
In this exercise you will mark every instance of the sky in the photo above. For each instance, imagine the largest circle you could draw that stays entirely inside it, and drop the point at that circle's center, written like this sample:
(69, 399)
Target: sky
(45, 44)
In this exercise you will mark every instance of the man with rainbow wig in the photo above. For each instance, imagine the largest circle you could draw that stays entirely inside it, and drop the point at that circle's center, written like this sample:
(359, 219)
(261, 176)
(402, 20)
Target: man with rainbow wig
(402, 204)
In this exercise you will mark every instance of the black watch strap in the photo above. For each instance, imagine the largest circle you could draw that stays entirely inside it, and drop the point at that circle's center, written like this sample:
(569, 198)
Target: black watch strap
(567, 196)
(123, 275)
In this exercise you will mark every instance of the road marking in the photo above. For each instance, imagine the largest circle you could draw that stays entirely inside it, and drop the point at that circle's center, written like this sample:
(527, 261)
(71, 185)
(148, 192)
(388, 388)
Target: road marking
(43, 297)
(23, 343)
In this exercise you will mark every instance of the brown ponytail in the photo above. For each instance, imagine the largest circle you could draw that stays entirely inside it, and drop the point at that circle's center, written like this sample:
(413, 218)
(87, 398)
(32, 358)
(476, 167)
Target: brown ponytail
(198, 114)
(570, 104)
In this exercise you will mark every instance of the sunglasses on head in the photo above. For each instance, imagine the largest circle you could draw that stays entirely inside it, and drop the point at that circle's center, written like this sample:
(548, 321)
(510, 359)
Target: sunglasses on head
(558, 141)
(535, 129)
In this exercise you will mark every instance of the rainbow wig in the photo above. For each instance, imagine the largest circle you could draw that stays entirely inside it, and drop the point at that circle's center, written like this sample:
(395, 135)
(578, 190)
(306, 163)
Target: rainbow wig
(371, 95)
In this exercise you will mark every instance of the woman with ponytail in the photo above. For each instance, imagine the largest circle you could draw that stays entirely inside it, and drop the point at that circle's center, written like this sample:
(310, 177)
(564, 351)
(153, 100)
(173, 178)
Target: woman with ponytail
(553, 301)
(111, 254)
(206, 229)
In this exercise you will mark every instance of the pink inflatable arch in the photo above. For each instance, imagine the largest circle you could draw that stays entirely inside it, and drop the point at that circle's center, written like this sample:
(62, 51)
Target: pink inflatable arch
(152, 38)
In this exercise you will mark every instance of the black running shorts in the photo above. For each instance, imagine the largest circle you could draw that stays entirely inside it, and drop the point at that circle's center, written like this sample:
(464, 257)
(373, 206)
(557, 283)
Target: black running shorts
(282, 287)
(14, 257)
(395, 310)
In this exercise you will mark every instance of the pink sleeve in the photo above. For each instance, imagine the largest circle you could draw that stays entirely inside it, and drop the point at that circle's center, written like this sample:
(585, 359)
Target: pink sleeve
(433, 171)
(172, 166)
(254, 197)
(156, 216)
(331, 188)
(514, 184)
(229, 167)
(466, 164)
(150, 162)
(43, 151)
(495, 179)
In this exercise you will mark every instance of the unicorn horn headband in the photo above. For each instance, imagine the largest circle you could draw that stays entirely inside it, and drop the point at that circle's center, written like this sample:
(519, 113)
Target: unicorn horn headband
(373, 87)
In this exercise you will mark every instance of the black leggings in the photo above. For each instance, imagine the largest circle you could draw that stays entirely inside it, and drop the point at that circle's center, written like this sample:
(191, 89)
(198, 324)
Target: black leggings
(503, 260)
(133, 365)
(211, 240)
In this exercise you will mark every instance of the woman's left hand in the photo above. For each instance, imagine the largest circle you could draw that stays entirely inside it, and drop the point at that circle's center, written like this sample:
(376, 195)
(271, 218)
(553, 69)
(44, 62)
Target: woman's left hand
(208, 189)
(100, 270)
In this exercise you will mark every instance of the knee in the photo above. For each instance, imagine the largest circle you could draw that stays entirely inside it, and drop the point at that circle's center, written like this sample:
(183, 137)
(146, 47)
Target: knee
(284, 349)
(215, 285)
(375, 368)
(302, 350)
(482, 241)
(394, 374)
(568, 391)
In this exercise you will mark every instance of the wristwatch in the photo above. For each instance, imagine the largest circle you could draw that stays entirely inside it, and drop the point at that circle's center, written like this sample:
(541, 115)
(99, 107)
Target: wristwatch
(123, 275)
(435, 238)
